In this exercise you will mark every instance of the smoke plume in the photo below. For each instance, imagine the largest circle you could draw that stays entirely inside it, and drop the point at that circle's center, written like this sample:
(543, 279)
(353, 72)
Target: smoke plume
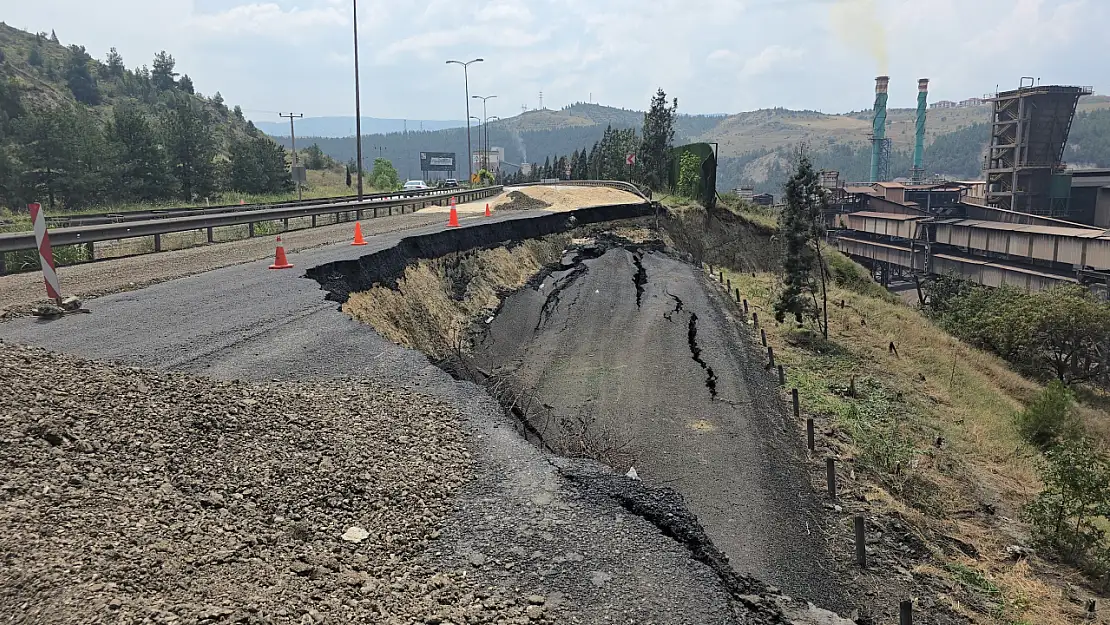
(857, 23)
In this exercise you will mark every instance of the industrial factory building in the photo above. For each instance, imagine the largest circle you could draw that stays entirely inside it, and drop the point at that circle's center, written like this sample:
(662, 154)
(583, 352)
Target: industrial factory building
(1031, 224)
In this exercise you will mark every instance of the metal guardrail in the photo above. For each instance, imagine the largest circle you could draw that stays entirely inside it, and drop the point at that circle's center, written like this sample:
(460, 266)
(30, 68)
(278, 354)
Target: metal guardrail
(216, 217)
(78, 235)
(90, 219)
(623, 185)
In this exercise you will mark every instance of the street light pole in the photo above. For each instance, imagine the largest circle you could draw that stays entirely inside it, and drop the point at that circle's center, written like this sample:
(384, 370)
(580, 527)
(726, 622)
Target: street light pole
(485, 156)
(466, 85)
(358, 108)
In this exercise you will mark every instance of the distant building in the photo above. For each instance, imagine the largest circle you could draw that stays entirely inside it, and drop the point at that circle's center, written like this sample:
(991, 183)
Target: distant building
(973, 102)
(764, 199)
(745, 193)
(943, 104)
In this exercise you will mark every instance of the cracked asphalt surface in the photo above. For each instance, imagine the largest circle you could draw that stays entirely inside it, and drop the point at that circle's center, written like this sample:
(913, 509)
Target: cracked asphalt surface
(518, 524)
(641, 343)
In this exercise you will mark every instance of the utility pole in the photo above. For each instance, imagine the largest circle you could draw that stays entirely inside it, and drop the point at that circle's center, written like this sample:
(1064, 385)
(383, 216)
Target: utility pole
(293, 140)
(541, 100)
(358, 109)
(466, 84)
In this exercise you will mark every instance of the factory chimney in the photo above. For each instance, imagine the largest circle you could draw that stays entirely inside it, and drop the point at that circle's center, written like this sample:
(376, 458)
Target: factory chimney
(918, 173)
(882, 84)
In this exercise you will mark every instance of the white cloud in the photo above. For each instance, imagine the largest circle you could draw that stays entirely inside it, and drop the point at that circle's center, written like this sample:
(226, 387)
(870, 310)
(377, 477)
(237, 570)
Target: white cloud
(722, 57)
(269, 19)
(770, 58)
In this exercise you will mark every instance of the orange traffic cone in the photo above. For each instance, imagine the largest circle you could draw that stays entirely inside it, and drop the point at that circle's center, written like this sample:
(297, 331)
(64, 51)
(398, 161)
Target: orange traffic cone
(487, 210)
(358, 235)
(453, 222)
(280, 262)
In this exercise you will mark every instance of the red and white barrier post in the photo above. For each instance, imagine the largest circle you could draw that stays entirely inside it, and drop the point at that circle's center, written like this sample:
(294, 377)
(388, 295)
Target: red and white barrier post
(46, 254)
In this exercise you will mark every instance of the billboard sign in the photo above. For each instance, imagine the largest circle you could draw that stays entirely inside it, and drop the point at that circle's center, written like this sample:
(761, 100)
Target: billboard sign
(437, 161)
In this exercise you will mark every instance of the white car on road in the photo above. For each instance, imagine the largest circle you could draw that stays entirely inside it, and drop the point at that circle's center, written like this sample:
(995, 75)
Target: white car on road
(414, 185)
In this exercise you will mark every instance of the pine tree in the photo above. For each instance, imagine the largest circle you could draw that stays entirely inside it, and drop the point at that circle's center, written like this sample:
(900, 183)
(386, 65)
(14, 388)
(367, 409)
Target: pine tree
(162, 74)
(53, 36)
(142, 169)
(80, 81)
(46, 152)
(348, 169)
(658, 134)
(800, 225)
(190, 146)
(186, 84)
(34, 57)
(115, 63)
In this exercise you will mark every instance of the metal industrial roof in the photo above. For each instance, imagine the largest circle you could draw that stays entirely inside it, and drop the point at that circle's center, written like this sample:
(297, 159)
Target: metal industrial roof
(890, 216)
(876, 244)
(1032, 272)
(857, 189)
(1081, 233)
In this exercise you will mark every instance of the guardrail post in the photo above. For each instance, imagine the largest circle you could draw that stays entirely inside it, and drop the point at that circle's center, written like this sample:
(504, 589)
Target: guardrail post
(763, 336)
(314, 221)
(809, 434)
(745, 302)
(157, 243)
(861, 541)
(359, 213)
(830, 476)
(755, 319)
(90, 247)
(390, 211)
(722, 277)
(905, 613)
(771, 356)
(250, 230)
(285, 224)
(728, 284)
(375, 212)
(738, 297)
(782, 377)
(210, 233)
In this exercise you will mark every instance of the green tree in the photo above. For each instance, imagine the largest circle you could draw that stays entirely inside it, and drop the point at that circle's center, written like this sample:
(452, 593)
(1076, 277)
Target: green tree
(143, 171)
(53, 37)
(190, 146)
(186, 84)
(34, 57)
(1051, 417)
(658, 134)
(46, 152)
(78, 77)
(384, 176)
(162, 74)
(801, 227)
(1066, 515)
(1070, 332)
(315, 159)
(347, 168)
(115, 63)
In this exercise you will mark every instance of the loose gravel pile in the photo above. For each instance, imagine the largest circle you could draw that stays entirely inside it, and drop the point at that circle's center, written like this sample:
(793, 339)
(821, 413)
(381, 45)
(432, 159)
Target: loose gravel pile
(522, 202)
(136, 496)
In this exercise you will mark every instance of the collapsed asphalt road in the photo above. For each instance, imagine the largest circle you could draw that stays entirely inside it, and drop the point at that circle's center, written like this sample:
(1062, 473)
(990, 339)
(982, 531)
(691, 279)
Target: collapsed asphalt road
(519, 524)
(634, 361)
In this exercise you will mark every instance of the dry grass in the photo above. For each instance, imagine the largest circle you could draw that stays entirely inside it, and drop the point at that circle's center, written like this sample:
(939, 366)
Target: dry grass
(936, 386)
(436, 300)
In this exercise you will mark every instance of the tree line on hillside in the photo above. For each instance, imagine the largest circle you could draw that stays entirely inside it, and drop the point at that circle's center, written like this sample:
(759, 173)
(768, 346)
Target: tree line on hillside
(607, 159)
(159, 141)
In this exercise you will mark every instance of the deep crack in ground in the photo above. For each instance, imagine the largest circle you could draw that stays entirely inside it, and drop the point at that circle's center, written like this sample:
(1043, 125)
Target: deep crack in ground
(640, 278)
(695, 353)
(557, 288)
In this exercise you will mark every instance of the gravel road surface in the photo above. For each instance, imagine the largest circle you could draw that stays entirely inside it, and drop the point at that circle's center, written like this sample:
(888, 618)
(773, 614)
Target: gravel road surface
(636, 344)
(518, 526)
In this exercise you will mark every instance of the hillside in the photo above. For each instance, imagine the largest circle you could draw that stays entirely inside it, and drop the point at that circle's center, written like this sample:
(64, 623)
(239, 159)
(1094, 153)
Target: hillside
(345, 126)
(754, 146)
(78, 132)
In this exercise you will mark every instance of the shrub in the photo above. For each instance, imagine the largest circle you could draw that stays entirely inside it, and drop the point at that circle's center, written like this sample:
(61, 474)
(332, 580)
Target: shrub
(1066, 516)
(1050, 419)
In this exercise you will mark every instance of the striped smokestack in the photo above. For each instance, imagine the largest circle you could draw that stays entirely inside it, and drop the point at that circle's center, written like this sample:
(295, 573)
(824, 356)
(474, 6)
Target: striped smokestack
(919, 138)
(882, 83)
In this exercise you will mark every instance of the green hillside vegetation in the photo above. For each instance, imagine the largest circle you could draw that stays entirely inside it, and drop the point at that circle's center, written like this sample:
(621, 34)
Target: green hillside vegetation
(77, 132)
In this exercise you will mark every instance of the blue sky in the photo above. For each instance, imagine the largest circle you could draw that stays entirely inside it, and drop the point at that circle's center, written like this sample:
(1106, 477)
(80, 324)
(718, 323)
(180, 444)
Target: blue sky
(715, 55)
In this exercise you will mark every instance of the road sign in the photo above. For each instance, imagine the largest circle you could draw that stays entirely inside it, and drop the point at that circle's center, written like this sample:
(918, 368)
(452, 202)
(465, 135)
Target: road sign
(46, 253)
(437, 161)
(300, 175)
(630, 159)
